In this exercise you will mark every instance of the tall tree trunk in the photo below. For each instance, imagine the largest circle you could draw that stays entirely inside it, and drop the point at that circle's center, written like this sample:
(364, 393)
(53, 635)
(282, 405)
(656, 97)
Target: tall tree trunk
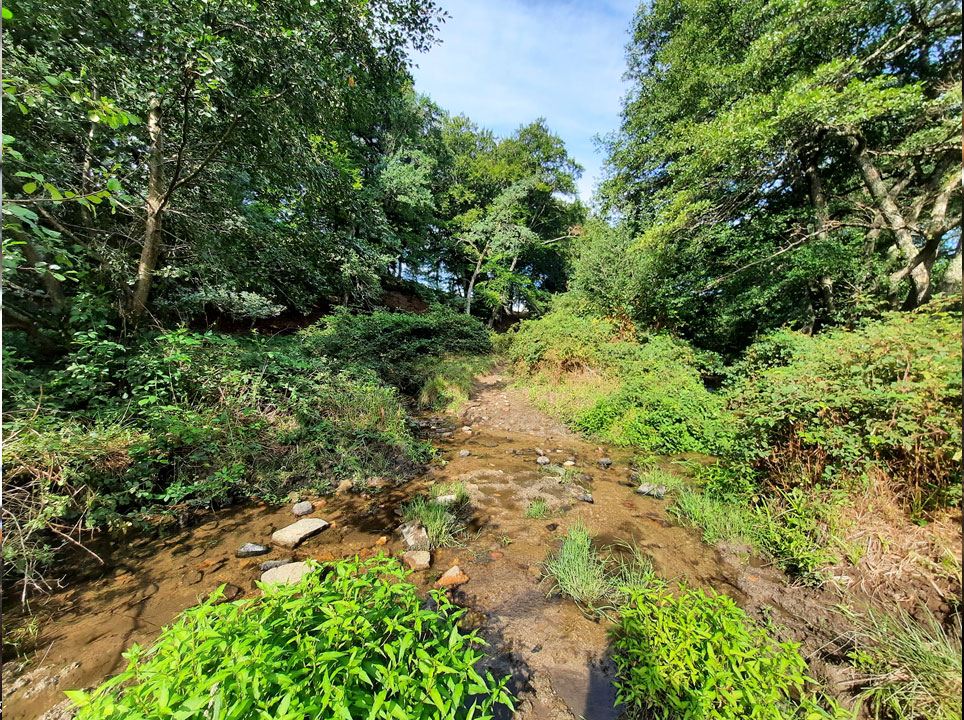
(154, 208)
(919, 272)
(951, 282)
(51, 284)
(818, 201)
(471, 286)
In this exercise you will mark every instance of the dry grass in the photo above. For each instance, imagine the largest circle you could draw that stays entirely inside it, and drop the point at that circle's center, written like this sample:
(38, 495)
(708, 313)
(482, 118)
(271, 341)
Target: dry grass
(897, 558)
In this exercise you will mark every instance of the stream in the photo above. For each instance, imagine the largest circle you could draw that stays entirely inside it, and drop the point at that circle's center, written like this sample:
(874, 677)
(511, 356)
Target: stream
(558, 658)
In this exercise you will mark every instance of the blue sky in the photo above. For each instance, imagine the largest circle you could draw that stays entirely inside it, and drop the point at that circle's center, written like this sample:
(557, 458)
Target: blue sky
(506, 62)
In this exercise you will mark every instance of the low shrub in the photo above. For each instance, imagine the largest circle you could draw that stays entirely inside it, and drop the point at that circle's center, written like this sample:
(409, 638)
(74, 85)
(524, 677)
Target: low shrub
(182, 421)
(351, 639)
(883, 400)
(396, 345)
(696, 655)
(447, 382)
(655, 398)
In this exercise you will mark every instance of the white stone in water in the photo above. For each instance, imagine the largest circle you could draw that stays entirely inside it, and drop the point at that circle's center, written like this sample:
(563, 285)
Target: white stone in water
(298, 532)
(288, 574)
(464, 453)
(569, 463)
(542, 460)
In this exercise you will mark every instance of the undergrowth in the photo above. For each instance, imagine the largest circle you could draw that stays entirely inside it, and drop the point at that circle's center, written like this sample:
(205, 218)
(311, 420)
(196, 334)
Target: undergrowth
(695, 654)
(351, 639)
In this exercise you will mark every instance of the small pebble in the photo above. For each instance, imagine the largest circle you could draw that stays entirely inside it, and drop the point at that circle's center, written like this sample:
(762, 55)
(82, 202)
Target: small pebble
(464, 453)
(303, 508)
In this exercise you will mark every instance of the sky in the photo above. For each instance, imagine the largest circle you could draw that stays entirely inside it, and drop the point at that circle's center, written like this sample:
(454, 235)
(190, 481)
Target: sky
(505, 63)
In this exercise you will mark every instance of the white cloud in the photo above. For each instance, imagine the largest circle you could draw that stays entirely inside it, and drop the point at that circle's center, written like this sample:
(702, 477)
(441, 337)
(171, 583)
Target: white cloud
(506, 62)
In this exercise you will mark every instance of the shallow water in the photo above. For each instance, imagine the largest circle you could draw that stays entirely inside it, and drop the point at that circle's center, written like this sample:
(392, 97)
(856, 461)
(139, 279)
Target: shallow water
(558, 657)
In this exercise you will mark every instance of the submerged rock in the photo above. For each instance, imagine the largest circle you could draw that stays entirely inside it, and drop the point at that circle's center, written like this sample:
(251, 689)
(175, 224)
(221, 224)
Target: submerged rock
(652, 490)
(303, 508)
(298, 532)
(252, 550)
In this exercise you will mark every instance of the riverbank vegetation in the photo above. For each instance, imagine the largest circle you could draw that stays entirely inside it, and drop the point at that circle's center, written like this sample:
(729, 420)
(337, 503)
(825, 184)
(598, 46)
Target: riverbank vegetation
(240, 250)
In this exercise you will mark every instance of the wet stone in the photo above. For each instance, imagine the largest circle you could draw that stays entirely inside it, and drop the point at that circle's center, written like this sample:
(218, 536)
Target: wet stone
(542, 460)
(464, 453)
(586, 497)
(193, 577)
(568, 463)
(540, 451)
(452, 577)
(298, 532)
(552, 527)
(252, 550)
(288, 574)
(604, 462)
(303, 508)
(652, 490)
(268, 564)
(417, 559)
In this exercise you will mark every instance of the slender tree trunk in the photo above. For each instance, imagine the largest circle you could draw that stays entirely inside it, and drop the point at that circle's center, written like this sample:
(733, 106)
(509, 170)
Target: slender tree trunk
(153, 205)
(818, 200)
(502, 297)
(471, 286)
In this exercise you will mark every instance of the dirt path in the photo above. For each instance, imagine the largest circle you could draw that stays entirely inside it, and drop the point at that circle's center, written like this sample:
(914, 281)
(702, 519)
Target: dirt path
(558, 658)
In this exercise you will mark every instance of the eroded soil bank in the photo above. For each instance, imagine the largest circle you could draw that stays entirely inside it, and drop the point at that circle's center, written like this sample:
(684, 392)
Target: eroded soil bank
(558, 658)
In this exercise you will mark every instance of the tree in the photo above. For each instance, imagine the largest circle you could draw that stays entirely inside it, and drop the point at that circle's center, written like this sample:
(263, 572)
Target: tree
(811, 147)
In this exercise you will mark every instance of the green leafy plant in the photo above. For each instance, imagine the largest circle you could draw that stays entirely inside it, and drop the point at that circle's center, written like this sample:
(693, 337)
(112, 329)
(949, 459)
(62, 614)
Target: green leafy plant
(692, 654)
(351, 639)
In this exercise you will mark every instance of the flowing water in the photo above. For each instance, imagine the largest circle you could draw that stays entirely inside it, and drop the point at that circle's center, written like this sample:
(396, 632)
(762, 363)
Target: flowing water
(558, 657)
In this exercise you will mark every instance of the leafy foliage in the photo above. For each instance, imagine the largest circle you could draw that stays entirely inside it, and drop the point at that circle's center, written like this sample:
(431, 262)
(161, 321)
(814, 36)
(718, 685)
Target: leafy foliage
(695, 654)
(351, 639)
(659, 402)
(183, 421)
(395, 344)
(883, 399)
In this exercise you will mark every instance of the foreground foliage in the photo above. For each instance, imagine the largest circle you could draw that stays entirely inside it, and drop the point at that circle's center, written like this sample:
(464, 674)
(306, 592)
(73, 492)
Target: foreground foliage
(350, 640)
(695, 655)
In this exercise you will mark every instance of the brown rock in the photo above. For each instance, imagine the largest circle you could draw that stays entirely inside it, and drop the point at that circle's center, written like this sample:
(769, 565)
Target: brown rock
(381, 541)
(452, 577)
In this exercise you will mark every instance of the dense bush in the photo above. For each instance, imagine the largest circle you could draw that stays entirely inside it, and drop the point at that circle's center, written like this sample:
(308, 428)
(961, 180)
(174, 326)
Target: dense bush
(393, 344)
(696, 655)
(881, 401)
(656, 399)
(351, 640)
(183, 420)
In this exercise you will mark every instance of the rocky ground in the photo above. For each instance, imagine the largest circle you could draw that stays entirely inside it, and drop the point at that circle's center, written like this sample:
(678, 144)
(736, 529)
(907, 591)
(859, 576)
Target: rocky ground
(507, 454)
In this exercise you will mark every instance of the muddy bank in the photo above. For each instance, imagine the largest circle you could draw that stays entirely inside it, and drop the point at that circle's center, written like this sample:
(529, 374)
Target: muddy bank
(558, 658)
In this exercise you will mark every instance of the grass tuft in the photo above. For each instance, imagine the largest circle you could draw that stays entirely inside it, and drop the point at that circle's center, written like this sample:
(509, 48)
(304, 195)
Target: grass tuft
(913, 669)
(538, 509)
